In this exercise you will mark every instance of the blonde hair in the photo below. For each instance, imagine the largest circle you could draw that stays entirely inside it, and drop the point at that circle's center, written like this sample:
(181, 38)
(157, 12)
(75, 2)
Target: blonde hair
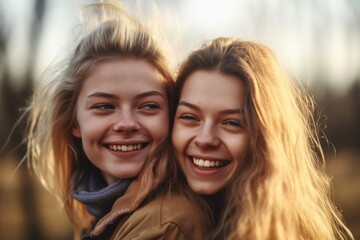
(53, 154)
(282, 191)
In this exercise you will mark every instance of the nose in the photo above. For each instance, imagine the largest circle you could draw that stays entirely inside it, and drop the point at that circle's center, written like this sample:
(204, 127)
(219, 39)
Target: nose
(126, 122)
(207, 138)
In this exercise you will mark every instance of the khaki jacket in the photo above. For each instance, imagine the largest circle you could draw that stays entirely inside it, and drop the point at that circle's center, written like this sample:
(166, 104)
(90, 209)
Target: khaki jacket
(164, 216)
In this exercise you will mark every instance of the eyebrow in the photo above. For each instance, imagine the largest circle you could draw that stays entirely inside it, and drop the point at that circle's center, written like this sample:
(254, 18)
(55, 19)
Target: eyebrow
(232, 111)
(102, 94)
(222, 112)
(149, 94)
(189, 105)
(139, 96)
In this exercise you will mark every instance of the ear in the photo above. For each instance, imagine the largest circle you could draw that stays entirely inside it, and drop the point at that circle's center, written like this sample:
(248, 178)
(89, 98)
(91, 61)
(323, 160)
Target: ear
(76, 131)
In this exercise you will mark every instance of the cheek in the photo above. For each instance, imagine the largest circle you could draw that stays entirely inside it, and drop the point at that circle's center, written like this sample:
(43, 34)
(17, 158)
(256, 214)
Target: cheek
(159, 128)
(181, 138)
(89, 149)
(238, 147)
(91, 129)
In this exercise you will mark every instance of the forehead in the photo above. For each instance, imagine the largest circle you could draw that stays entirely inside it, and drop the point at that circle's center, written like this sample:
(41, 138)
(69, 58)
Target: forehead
(123, 74)
(212, 86)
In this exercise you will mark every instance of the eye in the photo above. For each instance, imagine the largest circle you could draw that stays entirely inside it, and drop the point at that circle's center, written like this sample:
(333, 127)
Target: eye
(233, 123)
(150, 106)
(187, 116)
(103, 106)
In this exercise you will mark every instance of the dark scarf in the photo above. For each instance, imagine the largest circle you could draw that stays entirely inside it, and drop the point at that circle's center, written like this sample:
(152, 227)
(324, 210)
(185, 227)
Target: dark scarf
(93, 191)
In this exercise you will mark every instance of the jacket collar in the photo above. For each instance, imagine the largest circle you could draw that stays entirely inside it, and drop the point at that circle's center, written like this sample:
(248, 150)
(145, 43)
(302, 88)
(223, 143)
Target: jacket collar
(139, 189)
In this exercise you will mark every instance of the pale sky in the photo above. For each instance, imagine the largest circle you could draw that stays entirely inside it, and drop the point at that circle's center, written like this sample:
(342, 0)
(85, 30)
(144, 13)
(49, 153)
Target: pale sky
(309, 37)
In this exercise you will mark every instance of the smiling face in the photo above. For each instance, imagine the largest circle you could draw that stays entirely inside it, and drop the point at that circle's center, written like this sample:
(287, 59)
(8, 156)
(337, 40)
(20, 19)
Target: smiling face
(122, 116)
(209, 137)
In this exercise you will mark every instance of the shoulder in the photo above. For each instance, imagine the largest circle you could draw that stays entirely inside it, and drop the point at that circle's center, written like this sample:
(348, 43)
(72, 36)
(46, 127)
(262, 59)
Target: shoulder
(179, 209)
(167, 216)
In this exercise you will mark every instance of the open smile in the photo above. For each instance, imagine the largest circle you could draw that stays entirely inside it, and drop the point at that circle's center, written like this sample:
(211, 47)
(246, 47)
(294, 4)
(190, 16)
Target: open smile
(125, 148)
(206, 163)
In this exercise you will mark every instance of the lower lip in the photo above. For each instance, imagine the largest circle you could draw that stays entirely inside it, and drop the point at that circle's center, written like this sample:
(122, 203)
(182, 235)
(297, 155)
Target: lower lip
(204, 171)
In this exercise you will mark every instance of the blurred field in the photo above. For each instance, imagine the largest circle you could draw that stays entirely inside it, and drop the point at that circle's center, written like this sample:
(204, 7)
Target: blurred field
(47, 221)
(345, 169)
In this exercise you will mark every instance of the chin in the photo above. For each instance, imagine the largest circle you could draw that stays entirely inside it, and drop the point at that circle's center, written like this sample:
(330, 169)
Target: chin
(128, 173)
(203, 190)
(128, 170)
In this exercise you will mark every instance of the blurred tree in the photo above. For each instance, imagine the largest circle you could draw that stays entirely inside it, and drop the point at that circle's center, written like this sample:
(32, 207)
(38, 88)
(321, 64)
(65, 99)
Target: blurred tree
(354, 98)
(3, 74)
(15, 99)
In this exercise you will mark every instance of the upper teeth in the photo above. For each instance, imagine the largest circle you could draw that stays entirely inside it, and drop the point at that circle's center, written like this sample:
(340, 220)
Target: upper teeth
(208, 163)
(125, 148)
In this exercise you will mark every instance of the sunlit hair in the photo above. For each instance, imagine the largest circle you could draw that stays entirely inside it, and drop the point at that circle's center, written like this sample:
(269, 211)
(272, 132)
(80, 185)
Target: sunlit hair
(282, 191)
(54, 154)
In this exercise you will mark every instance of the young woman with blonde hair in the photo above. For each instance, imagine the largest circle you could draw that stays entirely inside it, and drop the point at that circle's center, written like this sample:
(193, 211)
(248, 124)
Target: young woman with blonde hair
(98, 136)
(246, 138)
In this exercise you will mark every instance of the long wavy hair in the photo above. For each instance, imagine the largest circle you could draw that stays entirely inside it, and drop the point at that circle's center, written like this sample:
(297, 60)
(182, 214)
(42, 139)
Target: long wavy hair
(53, 154)
(282, 190)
